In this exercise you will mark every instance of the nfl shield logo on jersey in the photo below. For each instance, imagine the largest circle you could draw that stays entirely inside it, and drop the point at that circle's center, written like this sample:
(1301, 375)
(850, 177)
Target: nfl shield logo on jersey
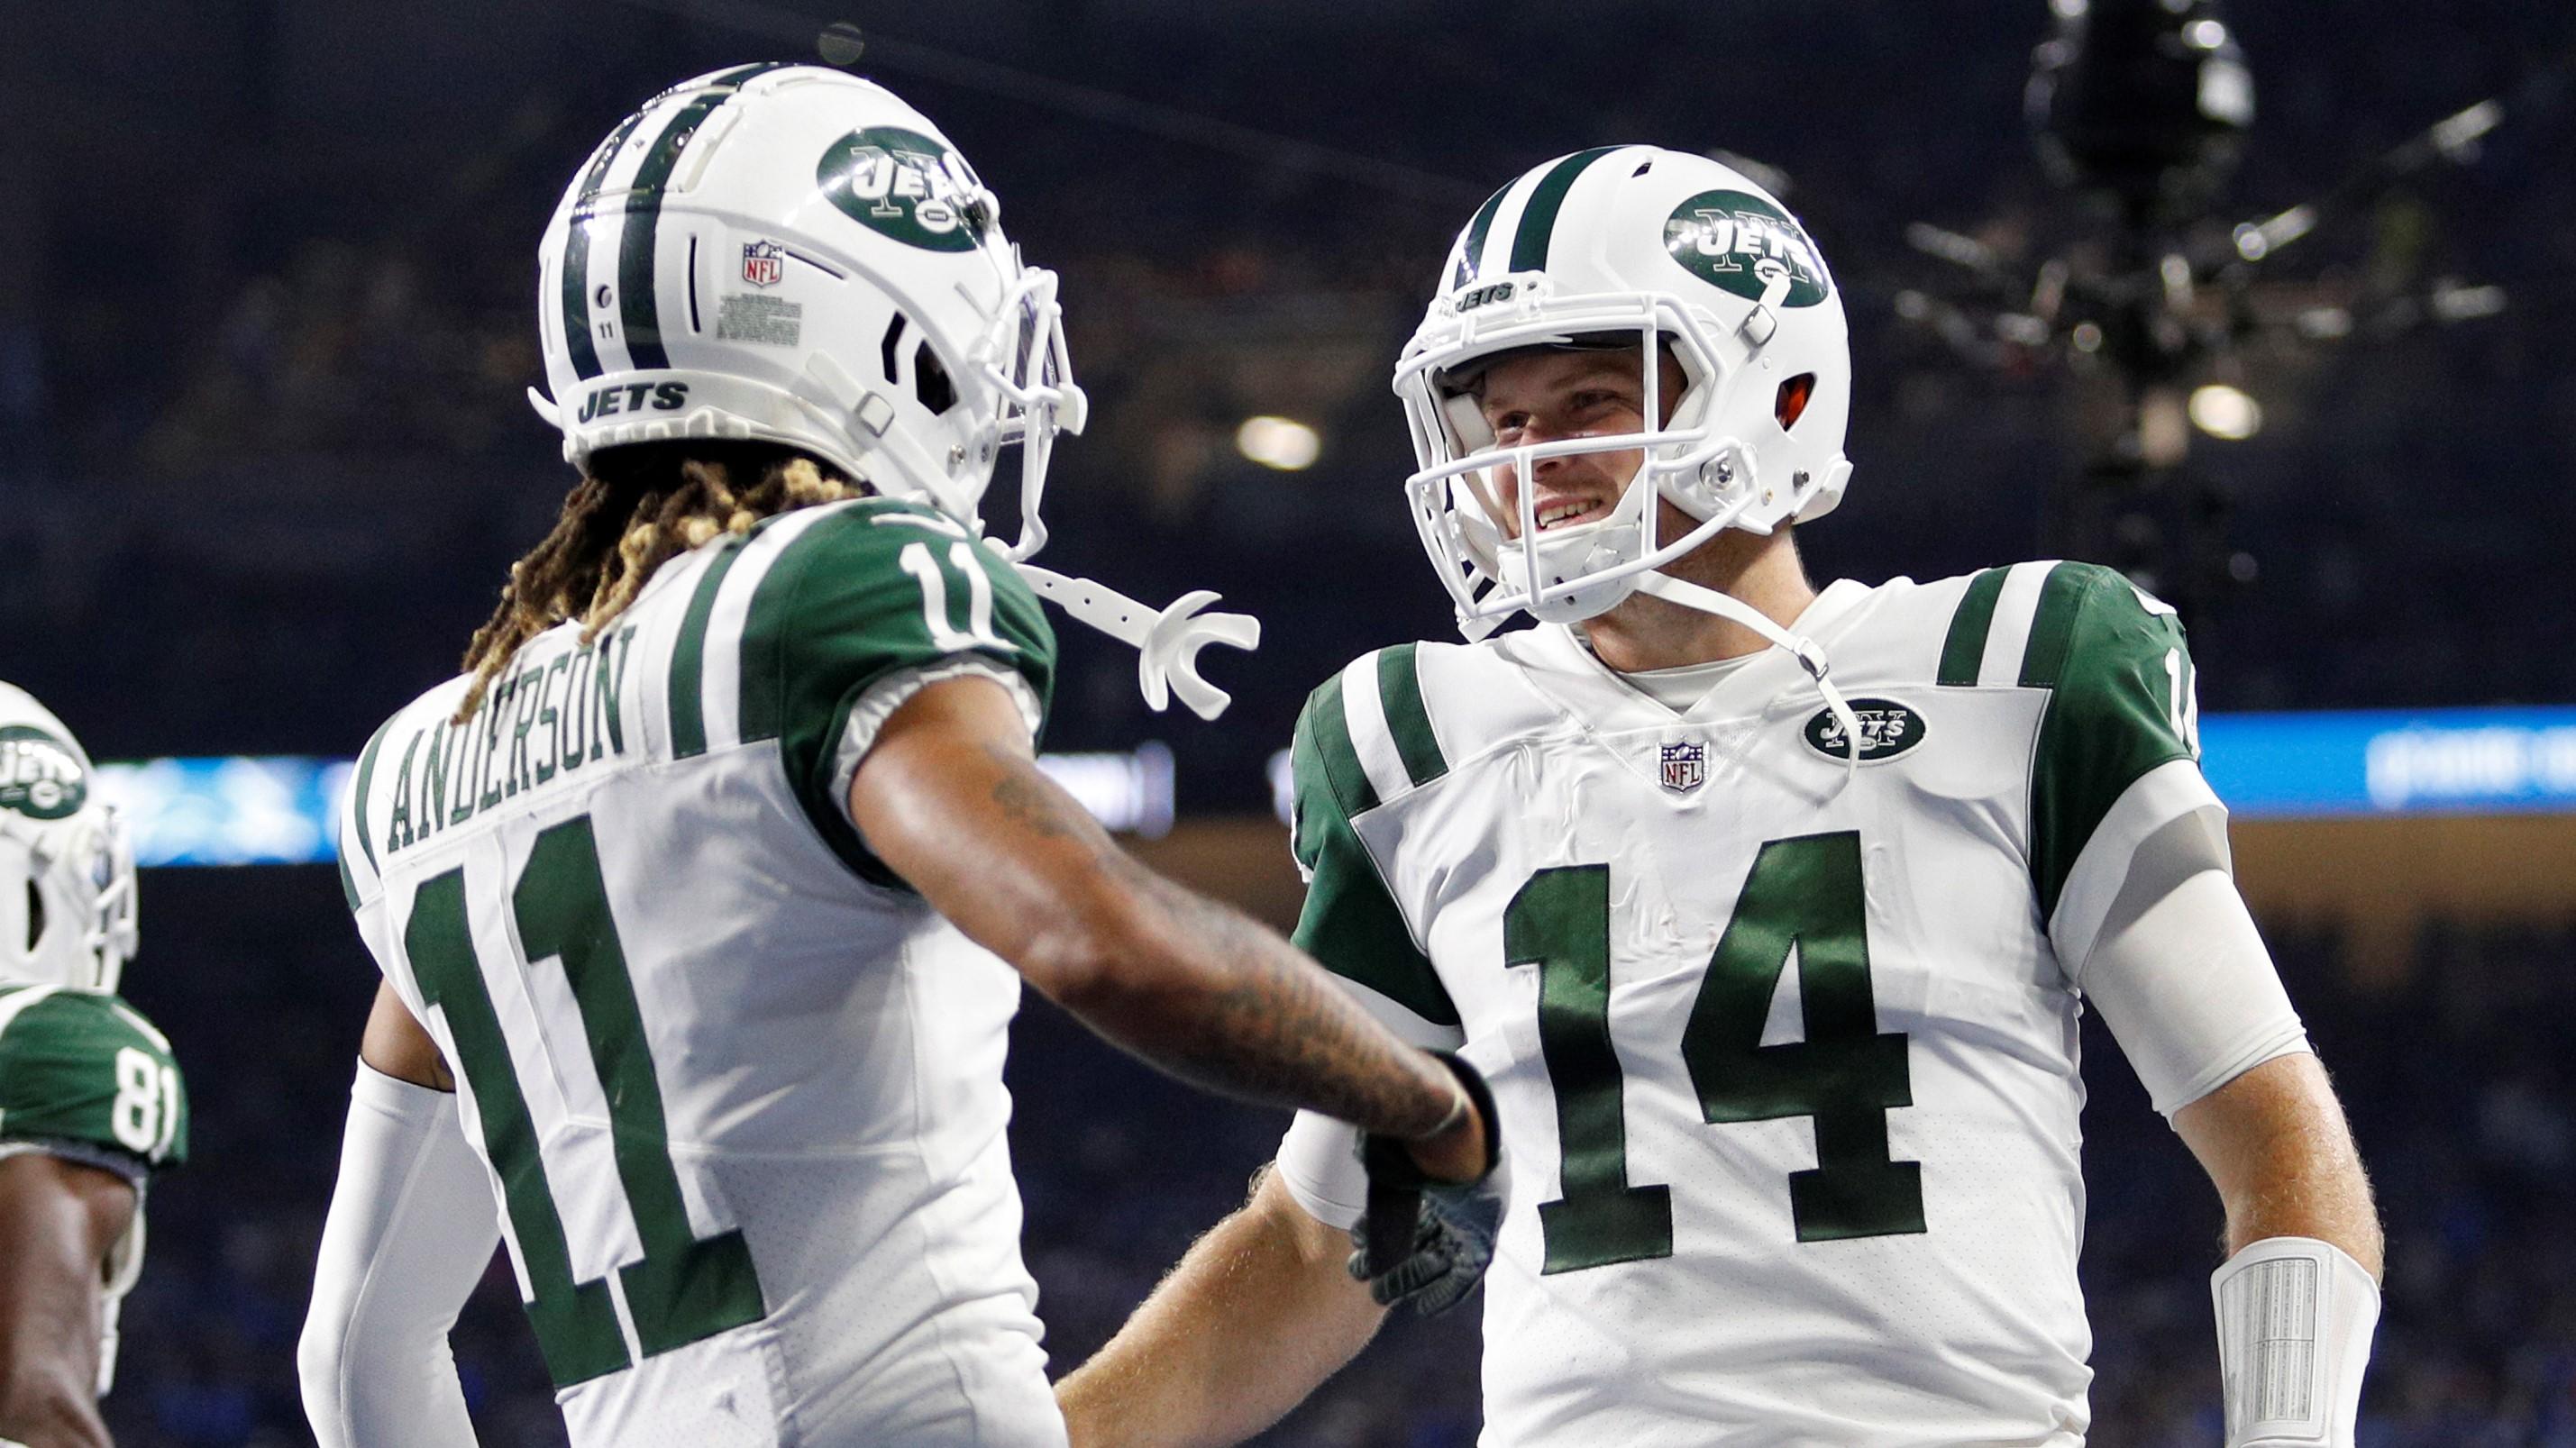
(1685, 766)
(760, 263)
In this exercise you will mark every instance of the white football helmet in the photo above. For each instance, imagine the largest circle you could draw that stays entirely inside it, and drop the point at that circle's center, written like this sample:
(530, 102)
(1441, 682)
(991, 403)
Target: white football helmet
(1655, 249)
(793, 254)
(66, 869)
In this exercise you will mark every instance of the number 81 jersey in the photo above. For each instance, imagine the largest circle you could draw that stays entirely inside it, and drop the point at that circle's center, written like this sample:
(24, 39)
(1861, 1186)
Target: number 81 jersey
(739, 1092)
(1785, 1049)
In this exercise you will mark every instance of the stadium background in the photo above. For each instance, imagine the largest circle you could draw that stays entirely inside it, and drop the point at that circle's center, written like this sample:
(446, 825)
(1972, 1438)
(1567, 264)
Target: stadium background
(265, 281)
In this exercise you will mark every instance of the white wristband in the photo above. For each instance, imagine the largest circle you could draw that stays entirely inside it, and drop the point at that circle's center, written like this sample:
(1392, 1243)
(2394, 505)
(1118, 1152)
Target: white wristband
(2295, 1318)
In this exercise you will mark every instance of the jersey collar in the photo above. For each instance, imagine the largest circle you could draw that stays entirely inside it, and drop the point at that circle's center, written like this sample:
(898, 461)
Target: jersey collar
(1565, 669)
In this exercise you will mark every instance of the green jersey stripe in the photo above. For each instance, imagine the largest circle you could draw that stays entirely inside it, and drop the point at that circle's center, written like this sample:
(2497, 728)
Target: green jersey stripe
(348, 881)
(2054, 625)
(1471, 252)
(1331, 731)
(2116, 671)
(576, 261)
(689, 656)
(1966, 644)
(1538, 217)
(1399, 692)
(15, 1000)
(639, 308)
(1350, 923)
(358, 798)
(770, 619)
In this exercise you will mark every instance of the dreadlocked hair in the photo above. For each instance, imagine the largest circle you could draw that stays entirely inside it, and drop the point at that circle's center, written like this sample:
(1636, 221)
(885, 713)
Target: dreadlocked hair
(634, 509)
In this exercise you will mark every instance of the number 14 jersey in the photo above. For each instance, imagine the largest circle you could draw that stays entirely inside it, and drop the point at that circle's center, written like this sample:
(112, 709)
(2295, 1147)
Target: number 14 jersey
(1785, 1050)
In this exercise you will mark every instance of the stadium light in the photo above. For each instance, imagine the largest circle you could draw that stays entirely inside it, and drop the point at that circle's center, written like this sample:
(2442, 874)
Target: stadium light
(1277, 442)
(2225, 412)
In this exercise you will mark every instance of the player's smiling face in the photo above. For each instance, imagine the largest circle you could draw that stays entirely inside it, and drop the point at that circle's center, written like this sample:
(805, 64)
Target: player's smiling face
(1550, 396)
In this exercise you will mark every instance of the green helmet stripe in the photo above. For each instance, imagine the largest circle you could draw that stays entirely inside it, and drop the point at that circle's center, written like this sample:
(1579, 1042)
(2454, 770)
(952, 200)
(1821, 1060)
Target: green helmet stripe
(576, 263)
(1472, 249)
(1538, 217)
(639, 310)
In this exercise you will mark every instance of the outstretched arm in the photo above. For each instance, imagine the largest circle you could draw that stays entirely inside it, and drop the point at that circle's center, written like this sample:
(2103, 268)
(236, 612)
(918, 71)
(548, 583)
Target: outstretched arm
(950, 797)
(412, 1225)
(57, 1221)
(1255, 1317)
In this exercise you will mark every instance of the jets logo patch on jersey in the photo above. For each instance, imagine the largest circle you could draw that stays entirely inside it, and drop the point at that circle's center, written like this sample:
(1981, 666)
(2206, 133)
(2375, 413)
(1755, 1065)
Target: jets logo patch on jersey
(40, 776)
(1887, 729)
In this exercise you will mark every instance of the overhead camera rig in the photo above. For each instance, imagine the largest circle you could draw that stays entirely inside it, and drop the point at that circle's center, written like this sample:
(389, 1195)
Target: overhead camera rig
(2142, 109)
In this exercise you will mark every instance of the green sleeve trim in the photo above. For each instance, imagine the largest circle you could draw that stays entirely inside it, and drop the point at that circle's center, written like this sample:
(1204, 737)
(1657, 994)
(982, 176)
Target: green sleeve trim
(2115, 674)
(69, 1071)
(1399, 692)
(2052, 626)
(1327, 728)
(689, 656)
(1350, 922)
(836, 612)
(1965, 647)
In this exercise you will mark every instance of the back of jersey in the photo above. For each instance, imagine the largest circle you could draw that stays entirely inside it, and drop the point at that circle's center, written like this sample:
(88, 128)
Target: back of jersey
(739, 1091)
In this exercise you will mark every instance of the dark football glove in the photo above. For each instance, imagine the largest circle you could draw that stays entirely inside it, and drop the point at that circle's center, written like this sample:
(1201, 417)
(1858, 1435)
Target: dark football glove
(1427, 1243)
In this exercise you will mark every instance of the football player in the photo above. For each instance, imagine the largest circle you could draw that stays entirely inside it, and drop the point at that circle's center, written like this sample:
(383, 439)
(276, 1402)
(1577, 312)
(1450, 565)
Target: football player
(692, 886)
(1768, 912)
(91, 1104)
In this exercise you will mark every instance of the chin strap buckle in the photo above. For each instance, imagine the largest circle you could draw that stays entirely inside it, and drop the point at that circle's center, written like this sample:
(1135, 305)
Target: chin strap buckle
(1167, 641)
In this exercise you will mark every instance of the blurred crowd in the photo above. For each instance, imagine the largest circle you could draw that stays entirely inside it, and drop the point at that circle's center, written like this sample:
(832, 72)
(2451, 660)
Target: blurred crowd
(2456, 1077)
(315, 462)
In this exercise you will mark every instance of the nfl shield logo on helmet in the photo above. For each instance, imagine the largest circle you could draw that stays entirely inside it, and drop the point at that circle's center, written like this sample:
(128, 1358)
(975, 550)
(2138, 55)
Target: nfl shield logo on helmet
(1685, 766)
(761, 265)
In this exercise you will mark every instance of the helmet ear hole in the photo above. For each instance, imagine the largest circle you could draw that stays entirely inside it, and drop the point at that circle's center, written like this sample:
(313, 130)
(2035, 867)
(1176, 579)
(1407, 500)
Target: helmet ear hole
(1791, 402)
(930, 381)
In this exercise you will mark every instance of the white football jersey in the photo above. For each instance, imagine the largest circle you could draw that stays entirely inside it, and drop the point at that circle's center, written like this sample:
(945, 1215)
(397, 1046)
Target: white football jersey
(1785, 1051)
(739, 1092)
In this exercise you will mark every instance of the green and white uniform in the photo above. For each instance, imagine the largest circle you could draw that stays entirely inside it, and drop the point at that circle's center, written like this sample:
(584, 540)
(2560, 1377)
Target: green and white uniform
(1785, 1052)
(84, 1077)
(740, 1092)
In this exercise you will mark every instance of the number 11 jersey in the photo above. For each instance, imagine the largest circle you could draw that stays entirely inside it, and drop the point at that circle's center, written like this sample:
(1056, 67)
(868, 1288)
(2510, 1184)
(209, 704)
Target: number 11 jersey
(740, 1093)
(1784, 1048)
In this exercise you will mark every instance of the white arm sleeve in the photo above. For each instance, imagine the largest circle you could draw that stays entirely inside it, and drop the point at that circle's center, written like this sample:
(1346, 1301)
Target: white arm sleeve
(2179, 972)
(411, 1228)
(1319, 1158)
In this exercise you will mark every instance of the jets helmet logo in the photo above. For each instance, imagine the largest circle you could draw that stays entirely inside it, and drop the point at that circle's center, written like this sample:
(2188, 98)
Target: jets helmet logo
(1742, 243)
(908, 187)
(40, 776)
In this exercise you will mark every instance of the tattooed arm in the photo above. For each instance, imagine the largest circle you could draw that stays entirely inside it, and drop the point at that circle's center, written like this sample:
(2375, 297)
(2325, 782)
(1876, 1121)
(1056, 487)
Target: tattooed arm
(950, 797)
